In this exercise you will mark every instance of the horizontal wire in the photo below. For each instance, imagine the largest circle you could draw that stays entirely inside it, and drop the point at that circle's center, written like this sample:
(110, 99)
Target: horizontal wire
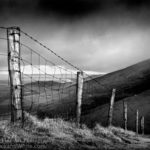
(3, 38)
(41, 81)
(29, 89)
(45, 58)
(41, 70)
(3, 54)
(35, 40)
(49, 50)
(55, 55)
(3, 70)
(35, 81)
(42, 104)
(3, 27)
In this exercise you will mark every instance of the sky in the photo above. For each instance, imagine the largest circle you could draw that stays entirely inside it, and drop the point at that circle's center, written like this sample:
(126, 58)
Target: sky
(95, 35)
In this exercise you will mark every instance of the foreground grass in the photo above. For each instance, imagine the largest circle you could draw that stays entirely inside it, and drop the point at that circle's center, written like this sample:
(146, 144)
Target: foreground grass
(59, 134)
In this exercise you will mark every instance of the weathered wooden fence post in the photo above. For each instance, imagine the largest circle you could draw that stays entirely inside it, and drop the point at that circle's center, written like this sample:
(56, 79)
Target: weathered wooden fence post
(13, 37)
(137, 121)
(142, 125)
(125, 114)
(79, 89)
(110, 116)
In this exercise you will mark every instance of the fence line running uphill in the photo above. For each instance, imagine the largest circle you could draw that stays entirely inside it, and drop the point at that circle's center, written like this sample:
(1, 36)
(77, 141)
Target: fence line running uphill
(51, 87)
(47, 85)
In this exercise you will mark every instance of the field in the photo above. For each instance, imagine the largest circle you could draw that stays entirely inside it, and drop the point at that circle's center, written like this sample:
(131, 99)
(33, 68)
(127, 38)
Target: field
(140, 102)
(62, 135)
(131, 83)
(54, 99)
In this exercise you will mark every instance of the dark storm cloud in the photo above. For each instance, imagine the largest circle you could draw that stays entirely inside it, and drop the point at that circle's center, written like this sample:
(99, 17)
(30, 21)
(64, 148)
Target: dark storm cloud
(85, 32)
(64, 8)
(83, 7)
(73, 8)
(70, 8)
(134, 4)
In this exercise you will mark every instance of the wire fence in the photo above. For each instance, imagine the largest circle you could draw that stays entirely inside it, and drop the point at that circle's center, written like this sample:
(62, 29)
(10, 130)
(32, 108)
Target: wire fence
(45, 83)
(49, 82)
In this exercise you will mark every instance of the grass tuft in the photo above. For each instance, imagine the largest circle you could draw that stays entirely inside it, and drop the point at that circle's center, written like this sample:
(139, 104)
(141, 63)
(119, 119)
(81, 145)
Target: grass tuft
(61, 134)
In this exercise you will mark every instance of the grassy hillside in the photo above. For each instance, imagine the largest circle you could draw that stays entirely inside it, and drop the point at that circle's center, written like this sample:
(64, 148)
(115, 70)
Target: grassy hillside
(128, 82)
(60, 99)
(58, 134)
(140, 102)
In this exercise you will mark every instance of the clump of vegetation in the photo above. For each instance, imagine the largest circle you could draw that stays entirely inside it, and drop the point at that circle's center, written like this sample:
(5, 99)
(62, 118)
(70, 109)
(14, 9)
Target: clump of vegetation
(106, 133)
(60, 134)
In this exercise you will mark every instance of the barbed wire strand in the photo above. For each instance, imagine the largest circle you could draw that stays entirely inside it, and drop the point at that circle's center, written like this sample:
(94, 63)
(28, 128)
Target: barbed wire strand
(64, 60)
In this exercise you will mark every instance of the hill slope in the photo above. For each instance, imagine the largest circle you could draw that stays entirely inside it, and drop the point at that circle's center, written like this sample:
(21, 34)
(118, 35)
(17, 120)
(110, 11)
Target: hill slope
(62, 135)
(128, 82)
(140, 102)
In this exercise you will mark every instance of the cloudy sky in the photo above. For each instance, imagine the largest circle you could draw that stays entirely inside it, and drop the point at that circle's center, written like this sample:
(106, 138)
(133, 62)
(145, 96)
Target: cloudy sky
(95, 35)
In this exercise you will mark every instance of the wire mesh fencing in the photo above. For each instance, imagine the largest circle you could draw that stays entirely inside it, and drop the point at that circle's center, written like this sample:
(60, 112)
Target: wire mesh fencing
(46, 85)
(50, 83)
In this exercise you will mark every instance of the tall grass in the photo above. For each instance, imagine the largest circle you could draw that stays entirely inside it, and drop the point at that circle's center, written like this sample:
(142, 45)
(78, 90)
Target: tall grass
(60, 134)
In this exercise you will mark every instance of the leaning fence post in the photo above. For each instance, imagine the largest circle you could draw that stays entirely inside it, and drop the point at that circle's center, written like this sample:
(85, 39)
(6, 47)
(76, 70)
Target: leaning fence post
(13, 37)
(79, 96)
(125, 114)
(142, 125)
(110, 116)
(137, 121)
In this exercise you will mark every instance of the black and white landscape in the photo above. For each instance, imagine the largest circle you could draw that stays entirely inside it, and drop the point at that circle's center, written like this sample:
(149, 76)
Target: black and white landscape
(107, 40)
